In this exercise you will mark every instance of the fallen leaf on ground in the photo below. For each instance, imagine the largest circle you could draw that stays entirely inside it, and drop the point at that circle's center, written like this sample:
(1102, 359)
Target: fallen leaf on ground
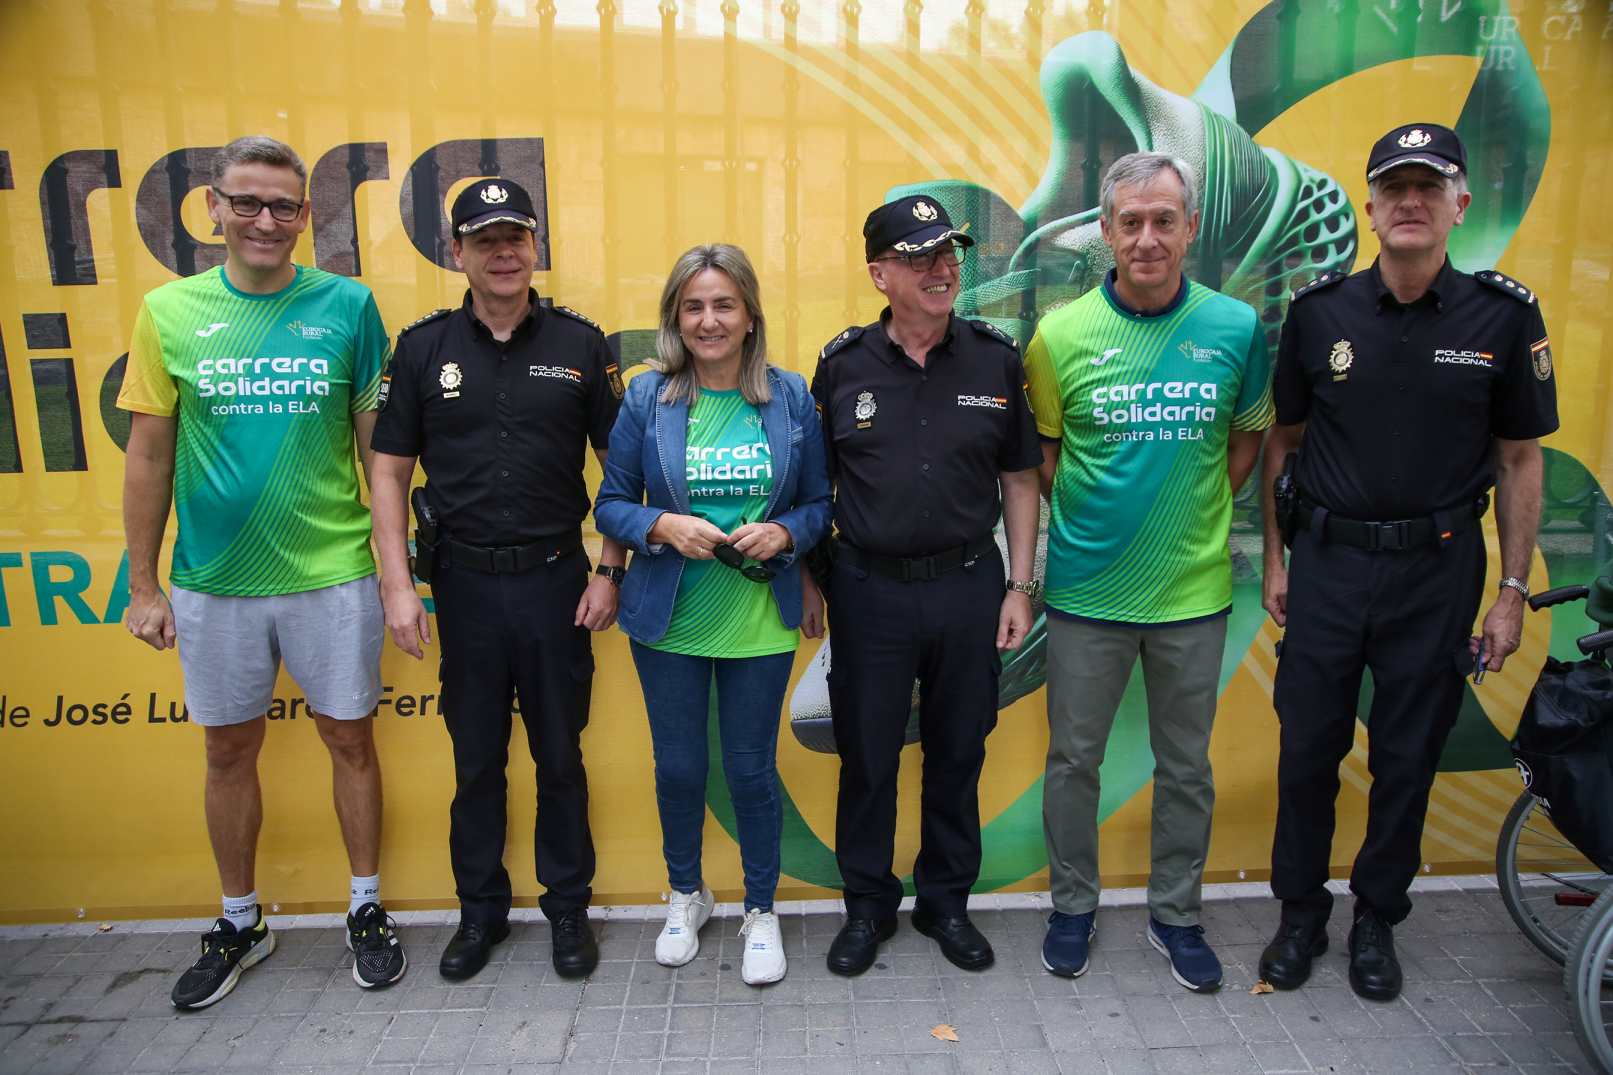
(945, 1032)
(104, 927)
(1260, 987)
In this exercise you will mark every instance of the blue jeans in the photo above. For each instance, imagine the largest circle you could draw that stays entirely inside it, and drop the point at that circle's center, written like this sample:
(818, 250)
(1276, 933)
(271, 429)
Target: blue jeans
(750, 697)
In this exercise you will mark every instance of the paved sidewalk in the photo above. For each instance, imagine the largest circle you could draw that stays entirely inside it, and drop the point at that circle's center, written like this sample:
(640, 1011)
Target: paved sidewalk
(1478, 997)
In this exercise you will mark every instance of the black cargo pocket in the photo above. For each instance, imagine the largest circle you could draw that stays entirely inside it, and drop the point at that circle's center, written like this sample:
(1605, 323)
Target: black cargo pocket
(582, 678)
(996, 689)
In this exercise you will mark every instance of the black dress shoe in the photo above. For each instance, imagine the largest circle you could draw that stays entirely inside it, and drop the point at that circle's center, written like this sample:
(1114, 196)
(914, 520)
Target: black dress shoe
(467, 952)
(1286, 962)
(962, 944)
(575, 952)
(857, 943)
(1374, 970)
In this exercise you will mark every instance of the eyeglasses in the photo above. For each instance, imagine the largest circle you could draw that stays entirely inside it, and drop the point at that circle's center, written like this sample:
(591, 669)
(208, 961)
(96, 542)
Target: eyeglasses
(284, 209)
(736, 560)
(950, 254)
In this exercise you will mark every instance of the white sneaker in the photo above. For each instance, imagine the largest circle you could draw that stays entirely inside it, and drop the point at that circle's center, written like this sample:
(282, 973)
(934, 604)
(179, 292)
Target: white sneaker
(686, 912)
(764, 948)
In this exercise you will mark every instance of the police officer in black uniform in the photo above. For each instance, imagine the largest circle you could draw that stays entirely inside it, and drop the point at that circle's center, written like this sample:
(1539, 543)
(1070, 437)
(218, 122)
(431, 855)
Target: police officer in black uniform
(925, 417)
(499, 399)
(1408, 390)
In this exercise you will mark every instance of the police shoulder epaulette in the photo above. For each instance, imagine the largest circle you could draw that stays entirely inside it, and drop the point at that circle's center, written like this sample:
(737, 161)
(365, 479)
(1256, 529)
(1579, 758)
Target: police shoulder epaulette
(840, 341)
(432, 316)
(1327, 279)
(575, 316)
(986, 328)
(1506, 284)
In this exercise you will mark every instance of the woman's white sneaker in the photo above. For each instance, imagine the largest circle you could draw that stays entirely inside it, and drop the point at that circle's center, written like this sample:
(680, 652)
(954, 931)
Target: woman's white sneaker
(686, 912)
(764, 948)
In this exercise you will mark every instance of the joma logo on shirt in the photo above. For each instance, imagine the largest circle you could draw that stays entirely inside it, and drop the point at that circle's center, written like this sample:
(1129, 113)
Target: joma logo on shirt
(996, 403)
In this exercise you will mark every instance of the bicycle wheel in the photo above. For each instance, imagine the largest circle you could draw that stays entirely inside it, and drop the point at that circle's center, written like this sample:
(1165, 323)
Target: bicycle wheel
(1546, 884)
(1588, 977)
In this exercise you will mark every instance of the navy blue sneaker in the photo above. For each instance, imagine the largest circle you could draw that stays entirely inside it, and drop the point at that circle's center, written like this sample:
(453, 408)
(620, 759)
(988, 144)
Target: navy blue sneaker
(1193, 964)
(1069, 940)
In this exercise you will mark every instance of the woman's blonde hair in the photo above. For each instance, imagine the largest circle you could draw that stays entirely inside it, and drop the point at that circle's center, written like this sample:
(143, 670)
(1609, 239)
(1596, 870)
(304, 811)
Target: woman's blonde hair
(672, 357)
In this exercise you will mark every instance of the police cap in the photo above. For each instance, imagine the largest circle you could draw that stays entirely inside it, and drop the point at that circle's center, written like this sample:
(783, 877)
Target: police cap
(489, 201)
(1418, 143)
(910, 225)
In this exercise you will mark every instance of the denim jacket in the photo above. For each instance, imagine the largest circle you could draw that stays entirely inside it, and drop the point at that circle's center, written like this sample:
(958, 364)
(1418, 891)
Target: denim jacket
(645, 477)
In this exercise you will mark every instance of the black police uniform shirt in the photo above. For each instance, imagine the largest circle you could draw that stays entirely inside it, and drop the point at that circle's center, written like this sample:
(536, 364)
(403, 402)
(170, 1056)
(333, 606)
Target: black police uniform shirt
(501, 428)
(1400, 402)
(916, 451)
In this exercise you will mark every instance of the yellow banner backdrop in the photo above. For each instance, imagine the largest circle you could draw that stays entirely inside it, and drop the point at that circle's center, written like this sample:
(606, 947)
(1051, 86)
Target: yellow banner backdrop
(649, 127)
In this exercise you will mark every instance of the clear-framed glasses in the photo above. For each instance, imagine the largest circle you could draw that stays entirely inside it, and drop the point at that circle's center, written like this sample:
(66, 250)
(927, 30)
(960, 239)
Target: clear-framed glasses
(946, 254)
(282, 209)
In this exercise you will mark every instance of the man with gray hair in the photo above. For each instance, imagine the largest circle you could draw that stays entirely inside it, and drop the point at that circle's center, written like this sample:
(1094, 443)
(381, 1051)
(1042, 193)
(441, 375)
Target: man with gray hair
(1404, 393)
(1150, 394)
(249, 385)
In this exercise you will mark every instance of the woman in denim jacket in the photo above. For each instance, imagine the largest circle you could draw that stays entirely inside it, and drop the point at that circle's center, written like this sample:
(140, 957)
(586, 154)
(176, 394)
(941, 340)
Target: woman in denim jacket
(717, 480)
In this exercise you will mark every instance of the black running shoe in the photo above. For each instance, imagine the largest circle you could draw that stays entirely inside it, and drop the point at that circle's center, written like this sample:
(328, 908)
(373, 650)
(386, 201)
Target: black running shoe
(372, 937)
(226, 952)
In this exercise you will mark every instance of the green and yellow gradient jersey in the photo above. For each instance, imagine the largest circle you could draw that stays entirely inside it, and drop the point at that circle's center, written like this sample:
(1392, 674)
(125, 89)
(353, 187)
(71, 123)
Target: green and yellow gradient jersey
(719, 612)
(1142, 406)
(264, 388)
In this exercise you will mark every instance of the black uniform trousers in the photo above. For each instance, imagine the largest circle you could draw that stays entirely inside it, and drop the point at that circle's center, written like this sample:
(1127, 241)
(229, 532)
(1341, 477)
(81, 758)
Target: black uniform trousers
(503, 637)
(1406, 615)
(885, 635)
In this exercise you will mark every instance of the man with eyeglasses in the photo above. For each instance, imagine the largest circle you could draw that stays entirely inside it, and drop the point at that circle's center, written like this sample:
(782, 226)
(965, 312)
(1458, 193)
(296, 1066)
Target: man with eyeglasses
(248, 386)
(929, 437)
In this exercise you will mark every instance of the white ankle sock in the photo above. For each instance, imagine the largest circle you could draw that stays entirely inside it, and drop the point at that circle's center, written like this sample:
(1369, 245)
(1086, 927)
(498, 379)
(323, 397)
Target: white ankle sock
(363, 890)
(241, 911)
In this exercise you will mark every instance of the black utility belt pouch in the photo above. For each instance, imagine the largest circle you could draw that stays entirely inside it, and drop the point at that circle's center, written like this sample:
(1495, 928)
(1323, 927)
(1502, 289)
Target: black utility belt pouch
(820, 562)
(424, 560)
(1286, 499)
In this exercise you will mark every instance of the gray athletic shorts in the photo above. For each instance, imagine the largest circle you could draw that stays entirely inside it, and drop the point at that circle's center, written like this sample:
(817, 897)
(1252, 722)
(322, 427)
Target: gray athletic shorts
(230, 649)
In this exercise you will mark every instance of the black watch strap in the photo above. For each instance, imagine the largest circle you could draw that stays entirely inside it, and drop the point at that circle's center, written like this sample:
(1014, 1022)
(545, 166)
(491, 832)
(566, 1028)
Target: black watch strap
(615, 574)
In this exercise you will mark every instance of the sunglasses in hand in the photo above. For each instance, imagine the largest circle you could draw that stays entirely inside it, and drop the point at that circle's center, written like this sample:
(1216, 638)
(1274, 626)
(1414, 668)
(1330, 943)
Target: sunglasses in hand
(736, 560)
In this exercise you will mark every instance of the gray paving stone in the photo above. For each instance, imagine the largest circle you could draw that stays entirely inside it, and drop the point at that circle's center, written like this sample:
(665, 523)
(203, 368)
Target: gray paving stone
(1278, 1058)
(1477, 998)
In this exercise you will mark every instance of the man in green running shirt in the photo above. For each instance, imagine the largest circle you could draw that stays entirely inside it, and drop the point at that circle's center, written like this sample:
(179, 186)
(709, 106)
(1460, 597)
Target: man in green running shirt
(1150, 393)
(248, 385)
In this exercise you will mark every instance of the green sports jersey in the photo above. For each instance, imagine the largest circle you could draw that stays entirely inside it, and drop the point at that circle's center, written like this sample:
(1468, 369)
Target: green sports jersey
(719, 612)
(264, 388)
(1143, 406)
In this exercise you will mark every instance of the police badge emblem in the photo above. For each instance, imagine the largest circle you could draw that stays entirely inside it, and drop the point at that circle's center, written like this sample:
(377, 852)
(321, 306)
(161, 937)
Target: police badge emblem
(450, 378)
(613, 375)
(1340, 359)
(1540, 358)
(864, 410)
(495, 195)
(924, 211)
(1416, 138)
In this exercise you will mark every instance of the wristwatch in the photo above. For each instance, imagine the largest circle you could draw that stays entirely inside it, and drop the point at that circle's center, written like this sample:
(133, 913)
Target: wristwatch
(1031, 588)
(1514, 583)
(615, 574)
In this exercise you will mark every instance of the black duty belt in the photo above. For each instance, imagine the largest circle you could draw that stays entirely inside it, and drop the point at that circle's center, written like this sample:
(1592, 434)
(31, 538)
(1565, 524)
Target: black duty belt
(917, 568)
(510, 559)
(1394, 534)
